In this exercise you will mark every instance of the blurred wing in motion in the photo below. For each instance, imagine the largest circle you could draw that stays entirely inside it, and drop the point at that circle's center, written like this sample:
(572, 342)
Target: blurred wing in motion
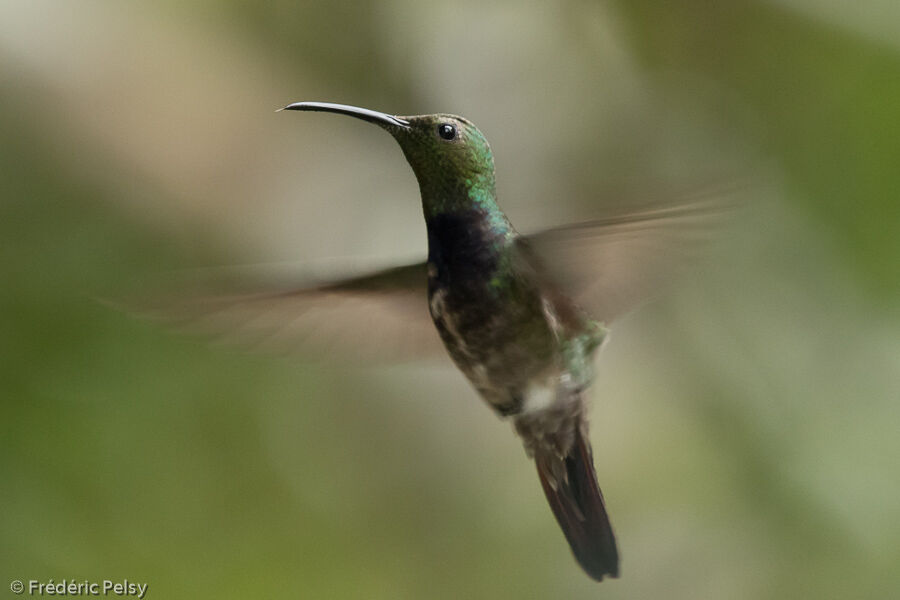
(606, 265)
(610, 265)
(378, 317)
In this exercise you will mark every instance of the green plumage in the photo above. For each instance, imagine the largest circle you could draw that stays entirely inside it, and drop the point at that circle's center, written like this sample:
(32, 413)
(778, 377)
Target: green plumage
(522, 343)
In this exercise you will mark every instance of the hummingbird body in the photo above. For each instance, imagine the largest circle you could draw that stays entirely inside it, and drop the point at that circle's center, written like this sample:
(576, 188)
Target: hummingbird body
(500, 318)
(516, 343)
(520, 340)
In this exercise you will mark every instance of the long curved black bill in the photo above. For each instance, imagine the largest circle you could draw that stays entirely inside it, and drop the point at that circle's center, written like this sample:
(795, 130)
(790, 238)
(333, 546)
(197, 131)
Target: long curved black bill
(372, 116)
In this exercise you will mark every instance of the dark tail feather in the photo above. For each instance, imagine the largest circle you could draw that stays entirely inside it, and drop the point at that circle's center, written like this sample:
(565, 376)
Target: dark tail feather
(572, 491)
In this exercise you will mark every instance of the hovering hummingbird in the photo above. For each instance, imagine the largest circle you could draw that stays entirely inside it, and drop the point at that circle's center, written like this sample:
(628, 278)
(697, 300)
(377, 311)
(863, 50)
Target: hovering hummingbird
(521, 316)
(513, 332)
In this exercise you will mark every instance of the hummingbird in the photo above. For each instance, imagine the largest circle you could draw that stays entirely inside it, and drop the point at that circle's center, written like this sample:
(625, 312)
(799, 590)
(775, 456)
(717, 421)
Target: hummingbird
(525, 346)
(512, 331)
(521, 316)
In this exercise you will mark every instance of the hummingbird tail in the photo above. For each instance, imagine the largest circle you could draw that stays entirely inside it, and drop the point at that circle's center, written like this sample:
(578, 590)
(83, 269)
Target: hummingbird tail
(570, 485)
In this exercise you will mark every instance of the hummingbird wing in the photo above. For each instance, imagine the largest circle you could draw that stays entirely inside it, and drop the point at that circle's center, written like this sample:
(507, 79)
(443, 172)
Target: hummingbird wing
(609, 265)
(380, 316)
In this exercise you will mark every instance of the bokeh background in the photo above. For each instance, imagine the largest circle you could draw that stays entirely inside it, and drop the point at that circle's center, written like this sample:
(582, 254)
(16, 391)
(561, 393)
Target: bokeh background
(746, 425)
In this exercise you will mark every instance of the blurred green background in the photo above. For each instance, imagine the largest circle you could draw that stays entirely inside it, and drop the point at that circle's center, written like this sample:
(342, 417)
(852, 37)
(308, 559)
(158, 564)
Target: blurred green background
(746, 426)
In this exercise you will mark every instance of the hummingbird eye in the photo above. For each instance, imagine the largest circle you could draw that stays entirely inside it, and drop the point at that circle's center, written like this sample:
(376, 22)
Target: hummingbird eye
(447, 131)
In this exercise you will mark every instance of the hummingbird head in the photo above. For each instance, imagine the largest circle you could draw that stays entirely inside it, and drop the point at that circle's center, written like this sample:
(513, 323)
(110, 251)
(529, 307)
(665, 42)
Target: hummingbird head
(449, 155)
